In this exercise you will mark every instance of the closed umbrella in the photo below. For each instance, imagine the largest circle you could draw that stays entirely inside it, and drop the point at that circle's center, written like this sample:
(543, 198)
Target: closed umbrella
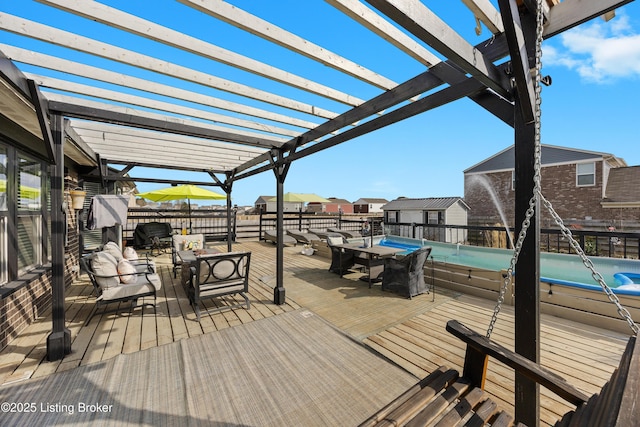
(181, 192)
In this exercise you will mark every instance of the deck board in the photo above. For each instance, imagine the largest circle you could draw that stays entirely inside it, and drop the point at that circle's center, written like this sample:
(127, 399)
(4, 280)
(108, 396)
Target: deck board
(409, 333)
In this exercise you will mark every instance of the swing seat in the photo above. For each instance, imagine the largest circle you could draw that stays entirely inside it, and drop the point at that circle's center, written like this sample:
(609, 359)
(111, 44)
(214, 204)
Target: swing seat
(444, 398)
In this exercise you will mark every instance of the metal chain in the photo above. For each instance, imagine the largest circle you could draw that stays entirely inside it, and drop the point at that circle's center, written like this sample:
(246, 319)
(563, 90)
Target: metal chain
(537, 195)
(623, 312)
(536, 177)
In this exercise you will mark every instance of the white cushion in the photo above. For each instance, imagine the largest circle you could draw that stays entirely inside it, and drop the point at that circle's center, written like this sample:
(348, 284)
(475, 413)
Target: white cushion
(334, 240)
(127, 270)
(104, 264)
(130, 253)
(113, 249)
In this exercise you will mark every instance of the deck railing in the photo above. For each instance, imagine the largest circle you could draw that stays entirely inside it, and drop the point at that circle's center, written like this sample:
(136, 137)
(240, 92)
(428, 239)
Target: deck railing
(616, 244)
(213, 224)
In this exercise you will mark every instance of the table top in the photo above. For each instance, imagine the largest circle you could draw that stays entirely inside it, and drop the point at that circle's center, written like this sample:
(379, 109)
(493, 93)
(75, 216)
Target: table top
(376, 250)
(190, 256)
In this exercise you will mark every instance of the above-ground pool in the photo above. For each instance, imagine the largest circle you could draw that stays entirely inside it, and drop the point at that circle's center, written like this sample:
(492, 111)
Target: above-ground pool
(621, 275)
(409, 245)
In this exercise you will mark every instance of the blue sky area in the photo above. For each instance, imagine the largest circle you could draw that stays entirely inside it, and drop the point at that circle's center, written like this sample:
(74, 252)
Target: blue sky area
(591, 105)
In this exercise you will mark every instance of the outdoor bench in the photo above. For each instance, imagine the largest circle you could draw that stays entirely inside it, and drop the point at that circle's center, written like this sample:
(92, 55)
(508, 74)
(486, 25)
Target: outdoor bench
(444, 398)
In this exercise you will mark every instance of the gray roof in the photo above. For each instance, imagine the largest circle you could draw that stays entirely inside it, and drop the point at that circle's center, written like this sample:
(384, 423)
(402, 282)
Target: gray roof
(430, 203)
(505, 159)
(623, 185)
(370, 200)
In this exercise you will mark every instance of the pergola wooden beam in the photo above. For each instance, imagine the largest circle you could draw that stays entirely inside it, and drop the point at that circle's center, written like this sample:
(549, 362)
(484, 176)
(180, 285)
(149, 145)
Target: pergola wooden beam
(359, 12)
(570, 13)
(100, 74)
(444, 96)
(168, 107)
(130, 117)
(144, 28)
(487, 14)
(94, 47)
(268, 31)
(428, 27)
(519, 57)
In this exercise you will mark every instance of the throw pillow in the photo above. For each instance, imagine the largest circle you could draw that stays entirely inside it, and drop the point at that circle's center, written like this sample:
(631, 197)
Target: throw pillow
(104, 264)
(127, 271)
(334, 240)
(130, 254)
(113, 249)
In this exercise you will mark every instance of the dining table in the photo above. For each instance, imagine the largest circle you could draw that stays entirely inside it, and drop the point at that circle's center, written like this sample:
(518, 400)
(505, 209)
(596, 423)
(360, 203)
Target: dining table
(374, 256)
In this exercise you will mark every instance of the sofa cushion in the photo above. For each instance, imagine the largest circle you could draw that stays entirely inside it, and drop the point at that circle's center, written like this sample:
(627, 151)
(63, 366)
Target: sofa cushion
(140, 286)
(104, 264)
(127, 271)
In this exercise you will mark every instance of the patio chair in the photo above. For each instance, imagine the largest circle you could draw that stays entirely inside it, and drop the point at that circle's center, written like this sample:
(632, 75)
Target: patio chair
(341, 260)
(321, 233)
(405, 276)
(346, 233)
(184, 242)
(217, 275)
(302, 237)
(272, 236)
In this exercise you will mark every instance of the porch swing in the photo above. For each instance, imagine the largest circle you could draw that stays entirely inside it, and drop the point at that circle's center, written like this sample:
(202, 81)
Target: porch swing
(432, 401)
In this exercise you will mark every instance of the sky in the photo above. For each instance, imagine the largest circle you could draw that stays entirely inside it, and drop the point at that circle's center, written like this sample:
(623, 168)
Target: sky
(591, 104)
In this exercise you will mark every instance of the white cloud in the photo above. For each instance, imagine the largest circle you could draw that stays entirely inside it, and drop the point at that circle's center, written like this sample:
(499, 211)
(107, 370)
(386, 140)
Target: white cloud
(599, 52)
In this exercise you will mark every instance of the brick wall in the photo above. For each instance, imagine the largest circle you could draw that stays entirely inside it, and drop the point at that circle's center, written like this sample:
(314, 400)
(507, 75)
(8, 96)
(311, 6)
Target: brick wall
(31, 295)
(558, 187)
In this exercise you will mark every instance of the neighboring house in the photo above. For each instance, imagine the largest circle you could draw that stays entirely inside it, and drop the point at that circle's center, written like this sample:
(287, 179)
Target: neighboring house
(580, 185)
(335, 206)
(367, 205)
(269, 204)
(432, 210)
(623, 192)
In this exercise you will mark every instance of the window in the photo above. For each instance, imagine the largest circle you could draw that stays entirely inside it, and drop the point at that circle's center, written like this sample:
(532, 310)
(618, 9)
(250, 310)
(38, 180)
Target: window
(585, 174)
(391, 216)
(29, 220)
(24, 219)
(434, 217)
(4, 210)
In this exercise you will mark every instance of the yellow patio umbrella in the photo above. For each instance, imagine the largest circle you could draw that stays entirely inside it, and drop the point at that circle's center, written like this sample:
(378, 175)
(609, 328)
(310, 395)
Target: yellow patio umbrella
(181, 192)
(301, 198)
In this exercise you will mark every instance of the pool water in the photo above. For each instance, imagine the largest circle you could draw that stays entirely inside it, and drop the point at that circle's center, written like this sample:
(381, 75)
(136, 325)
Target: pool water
(561, 269)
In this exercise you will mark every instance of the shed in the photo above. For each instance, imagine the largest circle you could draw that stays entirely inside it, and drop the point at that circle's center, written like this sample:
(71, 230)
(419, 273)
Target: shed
(430, 211)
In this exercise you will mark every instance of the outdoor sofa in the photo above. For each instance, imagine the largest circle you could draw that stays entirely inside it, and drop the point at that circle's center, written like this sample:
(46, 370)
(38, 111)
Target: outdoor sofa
(117, 279)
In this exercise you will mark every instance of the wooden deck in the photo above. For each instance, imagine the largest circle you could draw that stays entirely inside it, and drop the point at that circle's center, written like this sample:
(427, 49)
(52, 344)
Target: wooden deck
(410, 333)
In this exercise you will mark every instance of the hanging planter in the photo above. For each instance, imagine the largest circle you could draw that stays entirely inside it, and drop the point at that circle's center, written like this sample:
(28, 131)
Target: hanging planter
(77, 198)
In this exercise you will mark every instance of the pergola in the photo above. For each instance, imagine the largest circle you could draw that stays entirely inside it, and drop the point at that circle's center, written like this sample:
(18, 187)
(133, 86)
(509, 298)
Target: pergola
(128, 112)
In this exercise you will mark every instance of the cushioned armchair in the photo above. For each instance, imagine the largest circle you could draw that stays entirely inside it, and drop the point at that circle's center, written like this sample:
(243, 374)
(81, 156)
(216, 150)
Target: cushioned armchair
(217, 275)
(341, 260)
(405, 276)
(184, 242)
